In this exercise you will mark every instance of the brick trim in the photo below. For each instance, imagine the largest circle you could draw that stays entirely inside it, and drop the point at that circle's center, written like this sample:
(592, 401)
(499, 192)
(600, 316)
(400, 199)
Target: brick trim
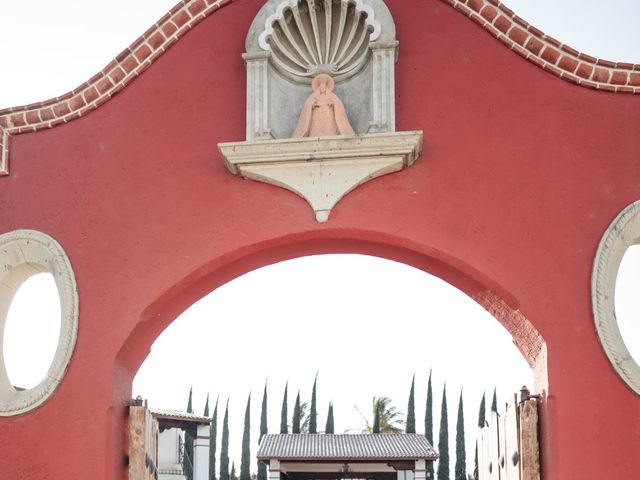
(547, 52)
(526, 40)
(109, 81)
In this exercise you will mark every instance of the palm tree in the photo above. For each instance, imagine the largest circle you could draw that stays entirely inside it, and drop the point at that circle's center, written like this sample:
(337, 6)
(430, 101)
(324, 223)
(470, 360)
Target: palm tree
(389, 418)
(305, 416)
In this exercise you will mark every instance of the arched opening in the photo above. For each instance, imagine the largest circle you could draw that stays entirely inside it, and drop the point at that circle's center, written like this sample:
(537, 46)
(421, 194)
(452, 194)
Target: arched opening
(364, 324)
(31, 331)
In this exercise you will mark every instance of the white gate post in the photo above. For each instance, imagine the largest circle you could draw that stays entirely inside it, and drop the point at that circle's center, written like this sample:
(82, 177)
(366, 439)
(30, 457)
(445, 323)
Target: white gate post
(274, 470)
(420, 471)
(201, 453)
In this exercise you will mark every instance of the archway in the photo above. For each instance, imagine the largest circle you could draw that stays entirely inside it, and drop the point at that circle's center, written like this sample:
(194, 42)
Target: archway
(364, 325)
(178, 298)
(508, 203)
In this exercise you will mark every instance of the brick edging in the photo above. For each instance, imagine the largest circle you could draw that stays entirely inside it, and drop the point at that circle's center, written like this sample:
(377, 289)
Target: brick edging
(497, 19)
(109, 81)
(547, 52)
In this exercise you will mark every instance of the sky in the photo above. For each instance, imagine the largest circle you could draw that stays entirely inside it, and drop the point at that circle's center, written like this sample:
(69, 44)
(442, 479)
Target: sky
(365, 326)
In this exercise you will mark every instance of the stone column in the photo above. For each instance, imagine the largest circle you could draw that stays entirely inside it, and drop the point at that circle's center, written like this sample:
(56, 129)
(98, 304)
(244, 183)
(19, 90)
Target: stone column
(420, 470)
(257, 96)
(201, 453)
(274, 470)
(384, 87)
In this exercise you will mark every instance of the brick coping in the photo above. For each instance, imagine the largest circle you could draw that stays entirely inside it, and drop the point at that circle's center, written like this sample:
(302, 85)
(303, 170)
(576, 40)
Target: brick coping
(501, 22)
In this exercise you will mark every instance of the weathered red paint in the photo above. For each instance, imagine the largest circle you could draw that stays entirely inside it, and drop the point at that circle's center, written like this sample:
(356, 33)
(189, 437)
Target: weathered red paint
(521, 174)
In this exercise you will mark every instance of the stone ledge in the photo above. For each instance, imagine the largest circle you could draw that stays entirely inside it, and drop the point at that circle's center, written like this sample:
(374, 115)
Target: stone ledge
(322, 170)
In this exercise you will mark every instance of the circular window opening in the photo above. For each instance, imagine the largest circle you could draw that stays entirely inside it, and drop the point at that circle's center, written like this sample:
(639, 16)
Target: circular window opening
(627, 300)
(32, 323)
(32, 331)
(615, 282)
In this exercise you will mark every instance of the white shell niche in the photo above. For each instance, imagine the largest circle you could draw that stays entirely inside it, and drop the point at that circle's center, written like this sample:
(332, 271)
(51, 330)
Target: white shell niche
(289, 43)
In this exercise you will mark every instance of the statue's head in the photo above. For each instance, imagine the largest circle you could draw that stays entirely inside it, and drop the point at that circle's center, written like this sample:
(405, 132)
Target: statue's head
(323, 82)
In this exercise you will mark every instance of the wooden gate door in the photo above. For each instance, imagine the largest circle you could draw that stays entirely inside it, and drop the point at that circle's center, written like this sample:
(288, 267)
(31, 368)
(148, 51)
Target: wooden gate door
(143, 444)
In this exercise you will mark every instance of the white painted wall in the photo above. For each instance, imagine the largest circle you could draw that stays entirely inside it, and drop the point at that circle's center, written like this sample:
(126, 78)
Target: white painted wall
(168, 447)
(405, 475)
(169, 455)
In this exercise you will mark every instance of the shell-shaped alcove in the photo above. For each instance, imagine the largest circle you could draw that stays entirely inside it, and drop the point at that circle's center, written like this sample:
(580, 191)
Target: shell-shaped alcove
(309, 37)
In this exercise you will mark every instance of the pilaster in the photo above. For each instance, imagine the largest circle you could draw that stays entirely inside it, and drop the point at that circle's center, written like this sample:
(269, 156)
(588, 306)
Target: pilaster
(257, 96)
(384, 87)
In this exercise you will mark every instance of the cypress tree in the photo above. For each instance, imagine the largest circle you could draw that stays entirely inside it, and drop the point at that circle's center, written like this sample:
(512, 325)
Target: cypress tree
(481, 423)
(190, 402)
(481, 412)
(376, 418)
(206, 407)
(443, 440)
(313, 414)
(494, 402)
(329, 428)
(213, 435)
(188, 440)
(233, 475)
(461, 457)
(224, 447)
(476, 472)
(283, 414)
(262, 468)
(245, 461)
(410, 426)
(297, 416)
(428, 425)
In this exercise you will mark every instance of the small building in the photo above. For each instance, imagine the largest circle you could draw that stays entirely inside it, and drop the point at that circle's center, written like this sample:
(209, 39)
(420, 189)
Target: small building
(350, 456)
(171, 460)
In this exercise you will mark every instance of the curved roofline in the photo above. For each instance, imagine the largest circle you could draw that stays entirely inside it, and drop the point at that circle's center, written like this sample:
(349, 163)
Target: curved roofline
(547, 52)
(501, 22)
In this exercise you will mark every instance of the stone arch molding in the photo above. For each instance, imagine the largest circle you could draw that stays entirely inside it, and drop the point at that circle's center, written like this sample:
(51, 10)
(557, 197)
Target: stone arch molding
(623, 232)
(24, 253)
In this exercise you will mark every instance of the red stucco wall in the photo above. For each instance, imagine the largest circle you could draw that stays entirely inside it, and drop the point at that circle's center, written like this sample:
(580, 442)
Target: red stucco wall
(520, 175)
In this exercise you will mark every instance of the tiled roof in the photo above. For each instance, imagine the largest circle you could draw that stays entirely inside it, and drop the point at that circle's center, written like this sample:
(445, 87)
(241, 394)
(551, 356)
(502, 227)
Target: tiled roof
(178, 415)
(366, 446)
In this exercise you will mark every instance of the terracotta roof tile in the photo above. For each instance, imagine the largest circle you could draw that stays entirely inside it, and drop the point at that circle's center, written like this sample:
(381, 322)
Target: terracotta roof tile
(178, 415)
(404, 446)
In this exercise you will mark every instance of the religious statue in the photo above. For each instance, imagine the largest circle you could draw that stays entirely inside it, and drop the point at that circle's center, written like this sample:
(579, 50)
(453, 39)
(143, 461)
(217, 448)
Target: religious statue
(323, 112)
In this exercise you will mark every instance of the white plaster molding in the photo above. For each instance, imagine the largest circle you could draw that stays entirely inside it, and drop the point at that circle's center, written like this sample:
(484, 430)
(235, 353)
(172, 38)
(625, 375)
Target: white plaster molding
(623, 232)
(322, 170)
(284, 53)
(4, 152)
(24, 253)
(257, 96)
(384, 87)
(320, 37)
